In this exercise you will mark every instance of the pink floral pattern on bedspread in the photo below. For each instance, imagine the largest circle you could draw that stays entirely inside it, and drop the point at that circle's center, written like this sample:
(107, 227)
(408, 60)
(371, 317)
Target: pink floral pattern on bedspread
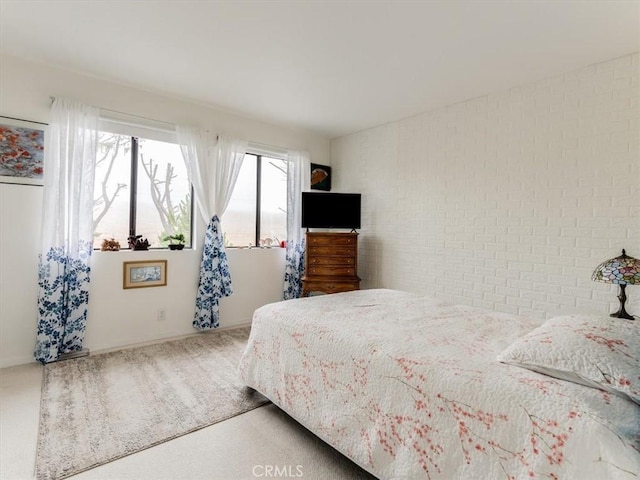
(409, 388)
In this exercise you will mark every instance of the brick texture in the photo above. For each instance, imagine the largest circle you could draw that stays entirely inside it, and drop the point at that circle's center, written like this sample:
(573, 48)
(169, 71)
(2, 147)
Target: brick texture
(507, 201)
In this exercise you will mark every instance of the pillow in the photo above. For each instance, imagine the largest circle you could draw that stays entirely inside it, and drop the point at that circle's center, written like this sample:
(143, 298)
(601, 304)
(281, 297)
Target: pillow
(599, 352)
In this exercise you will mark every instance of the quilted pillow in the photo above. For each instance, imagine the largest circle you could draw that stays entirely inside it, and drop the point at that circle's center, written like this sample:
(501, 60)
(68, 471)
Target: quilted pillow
(599, 352)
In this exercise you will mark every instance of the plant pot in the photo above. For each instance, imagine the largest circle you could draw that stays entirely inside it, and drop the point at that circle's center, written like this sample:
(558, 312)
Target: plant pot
(176, 247)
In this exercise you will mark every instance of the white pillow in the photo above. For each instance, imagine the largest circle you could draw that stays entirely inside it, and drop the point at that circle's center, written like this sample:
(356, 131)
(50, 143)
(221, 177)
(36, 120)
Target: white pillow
(599, 352)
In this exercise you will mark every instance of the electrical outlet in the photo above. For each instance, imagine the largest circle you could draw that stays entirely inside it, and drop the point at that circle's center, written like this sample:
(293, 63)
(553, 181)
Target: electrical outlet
(162, 314)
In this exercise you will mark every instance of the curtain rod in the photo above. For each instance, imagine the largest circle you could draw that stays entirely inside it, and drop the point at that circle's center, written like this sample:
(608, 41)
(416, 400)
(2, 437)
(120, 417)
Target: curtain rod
(266, 146)
(138, 116)
(129, 114)
(23, 120)
(250, 142)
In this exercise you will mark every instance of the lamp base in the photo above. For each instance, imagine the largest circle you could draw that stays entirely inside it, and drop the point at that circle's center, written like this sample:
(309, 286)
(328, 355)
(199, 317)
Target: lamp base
(622, 313)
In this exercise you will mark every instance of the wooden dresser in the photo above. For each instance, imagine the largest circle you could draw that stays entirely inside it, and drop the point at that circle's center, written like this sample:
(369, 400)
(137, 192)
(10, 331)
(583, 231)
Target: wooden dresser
(331, 263)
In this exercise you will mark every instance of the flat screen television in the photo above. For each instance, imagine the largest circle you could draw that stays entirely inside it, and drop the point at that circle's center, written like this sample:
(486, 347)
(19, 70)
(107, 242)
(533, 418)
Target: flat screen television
(330, 210)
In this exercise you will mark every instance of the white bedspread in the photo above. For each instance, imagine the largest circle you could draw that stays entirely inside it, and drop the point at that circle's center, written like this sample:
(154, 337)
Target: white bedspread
(409, 388)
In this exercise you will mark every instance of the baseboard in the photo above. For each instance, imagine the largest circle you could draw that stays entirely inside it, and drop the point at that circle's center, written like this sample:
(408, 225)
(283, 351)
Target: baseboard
(167, 339)
(17, 361)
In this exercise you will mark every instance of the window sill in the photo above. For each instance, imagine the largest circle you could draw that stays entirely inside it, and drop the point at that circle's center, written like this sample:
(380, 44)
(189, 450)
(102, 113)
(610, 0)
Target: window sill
(253, 248)
(149, 250)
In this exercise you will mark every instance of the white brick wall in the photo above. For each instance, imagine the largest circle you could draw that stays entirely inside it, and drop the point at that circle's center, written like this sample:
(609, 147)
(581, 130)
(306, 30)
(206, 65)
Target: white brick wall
(507, 201)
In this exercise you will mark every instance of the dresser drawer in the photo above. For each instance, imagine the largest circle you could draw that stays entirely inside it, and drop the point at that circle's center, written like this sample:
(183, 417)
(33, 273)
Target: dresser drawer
(336, 261)
(331, 239)
(326, 250)
(330, 287)
(331, 270)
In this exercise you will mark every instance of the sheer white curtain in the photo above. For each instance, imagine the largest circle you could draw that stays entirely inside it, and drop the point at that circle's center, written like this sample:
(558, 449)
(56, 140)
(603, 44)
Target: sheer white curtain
(67, 228)
(213, 171)
(196, 146)
(298, 181)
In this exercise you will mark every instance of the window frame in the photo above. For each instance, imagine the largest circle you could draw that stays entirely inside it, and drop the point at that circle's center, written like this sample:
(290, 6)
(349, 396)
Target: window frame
(258, 198)
(133, 191)
(259, 154)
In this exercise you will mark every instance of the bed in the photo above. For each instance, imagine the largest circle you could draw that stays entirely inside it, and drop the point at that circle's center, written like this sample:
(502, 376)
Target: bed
(409, 387)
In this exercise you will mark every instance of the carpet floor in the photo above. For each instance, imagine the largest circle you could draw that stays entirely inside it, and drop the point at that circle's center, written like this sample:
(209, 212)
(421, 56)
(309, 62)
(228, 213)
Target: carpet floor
(100, 408)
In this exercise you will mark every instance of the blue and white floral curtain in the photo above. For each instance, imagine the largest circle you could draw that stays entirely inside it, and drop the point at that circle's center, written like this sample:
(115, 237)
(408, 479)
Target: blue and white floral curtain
(298, 180)
(67, 229)
(213, 171)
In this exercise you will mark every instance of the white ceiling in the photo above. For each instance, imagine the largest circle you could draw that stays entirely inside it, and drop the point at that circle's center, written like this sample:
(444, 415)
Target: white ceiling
(334, 67)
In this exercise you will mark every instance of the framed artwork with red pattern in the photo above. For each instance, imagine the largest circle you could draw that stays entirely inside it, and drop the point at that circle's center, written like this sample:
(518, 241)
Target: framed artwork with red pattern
(21, 151)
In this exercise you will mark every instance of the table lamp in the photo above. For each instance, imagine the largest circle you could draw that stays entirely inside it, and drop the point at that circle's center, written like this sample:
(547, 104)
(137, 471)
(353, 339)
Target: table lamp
(623, 270)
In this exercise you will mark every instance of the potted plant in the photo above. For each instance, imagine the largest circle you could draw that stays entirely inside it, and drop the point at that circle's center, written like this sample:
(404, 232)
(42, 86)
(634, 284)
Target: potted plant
(176, 241)
(110, 245)
(136, 242)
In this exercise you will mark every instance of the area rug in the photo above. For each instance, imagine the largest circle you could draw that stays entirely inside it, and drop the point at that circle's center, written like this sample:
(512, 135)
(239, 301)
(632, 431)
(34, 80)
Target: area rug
(100, 408)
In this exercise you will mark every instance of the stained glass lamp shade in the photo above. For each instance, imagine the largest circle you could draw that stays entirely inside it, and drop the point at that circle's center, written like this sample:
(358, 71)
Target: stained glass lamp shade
(623, 270)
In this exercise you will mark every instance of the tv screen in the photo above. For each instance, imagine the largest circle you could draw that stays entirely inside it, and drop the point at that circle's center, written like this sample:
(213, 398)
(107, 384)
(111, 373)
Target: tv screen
(330, 210)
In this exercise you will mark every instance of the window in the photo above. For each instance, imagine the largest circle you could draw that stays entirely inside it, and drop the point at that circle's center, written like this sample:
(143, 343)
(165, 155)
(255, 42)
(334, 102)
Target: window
(257, 211)
(141, 188)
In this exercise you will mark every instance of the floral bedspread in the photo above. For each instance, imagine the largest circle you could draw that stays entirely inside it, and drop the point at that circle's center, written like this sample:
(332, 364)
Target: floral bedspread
(409, 388)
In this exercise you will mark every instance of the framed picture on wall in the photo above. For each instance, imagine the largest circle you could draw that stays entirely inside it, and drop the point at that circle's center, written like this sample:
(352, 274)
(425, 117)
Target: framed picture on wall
(145, 273)
(21, 151)
(320, 177)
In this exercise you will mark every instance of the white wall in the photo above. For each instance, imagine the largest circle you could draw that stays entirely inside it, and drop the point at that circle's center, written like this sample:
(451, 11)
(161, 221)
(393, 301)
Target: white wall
(120, 317)
(19, 245)
(508, 201)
